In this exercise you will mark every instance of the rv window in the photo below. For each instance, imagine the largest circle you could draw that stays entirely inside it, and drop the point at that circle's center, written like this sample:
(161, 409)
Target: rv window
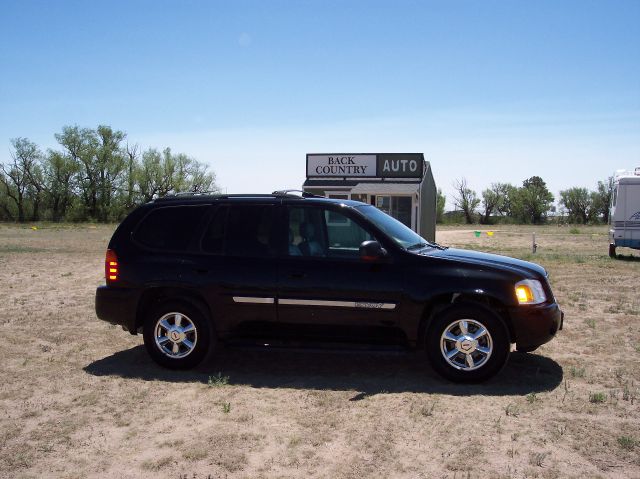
(615, 196)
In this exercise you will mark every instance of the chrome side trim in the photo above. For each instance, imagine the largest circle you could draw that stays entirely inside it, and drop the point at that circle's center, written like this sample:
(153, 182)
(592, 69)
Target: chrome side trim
(253, 300)
(338, 304)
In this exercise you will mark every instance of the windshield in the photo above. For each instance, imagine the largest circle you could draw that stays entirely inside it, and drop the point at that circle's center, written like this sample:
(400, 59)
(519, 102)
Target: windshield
(402, 235)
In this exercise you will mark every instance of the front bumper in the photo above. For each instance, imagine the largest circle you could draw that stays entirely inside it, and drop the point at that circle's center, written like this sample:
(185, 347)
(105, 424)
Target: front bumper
(535, 325)
(117, 306)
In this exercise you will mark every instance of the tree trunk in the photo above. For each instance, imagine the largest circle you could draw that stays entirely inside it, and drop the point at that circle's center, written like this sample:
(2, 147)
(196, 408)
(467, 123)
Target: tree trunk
(468, 217)
(20, 206)
(36, 209)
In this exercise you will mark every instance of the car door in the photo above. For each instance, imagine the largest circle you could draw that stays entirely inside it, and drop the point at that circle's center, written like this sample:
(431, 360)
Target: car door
(238, 265)
(323, 281)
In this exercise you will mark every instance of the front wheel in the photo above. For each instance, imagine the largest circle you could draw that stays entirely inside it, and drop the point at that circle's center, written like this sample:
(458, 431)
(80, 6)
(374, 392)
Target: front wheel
(177, 335)
(467, 343)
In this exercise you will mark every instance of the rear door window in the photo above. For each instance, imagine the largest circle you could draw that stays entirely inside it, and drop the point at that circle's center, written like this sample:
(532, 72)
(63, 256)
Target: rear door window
(170, 228)
(214, 234)
(241, 231)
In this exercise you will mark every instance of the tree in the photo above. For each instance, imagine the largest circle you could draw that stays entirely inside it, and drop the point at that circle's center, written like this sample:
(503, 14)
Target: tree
(101, 167)
(160, 174)
(132, 155)
(110, 164)
(601, 199)
(466, 199)
(79, 145)
(440, 203)
(505, 190)
(15, 177)
(493, 200)
(5, 210)
(578, 202)
(532, 202)
(199, 179)
(95, 171)
(59, 172)
(150, 176)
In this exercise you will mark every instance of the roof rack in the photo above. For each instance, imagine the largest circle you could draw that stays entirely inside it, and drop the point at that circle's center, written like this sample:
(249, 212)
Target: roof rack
(181, 195)
(213, 194)
(194, 193)
(304, 194)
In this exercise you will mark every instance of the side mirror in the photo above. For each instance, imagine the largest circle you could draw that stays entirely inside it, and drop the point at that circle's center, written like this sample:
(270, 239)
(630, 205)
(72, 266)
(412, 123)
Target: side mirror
(371, 251)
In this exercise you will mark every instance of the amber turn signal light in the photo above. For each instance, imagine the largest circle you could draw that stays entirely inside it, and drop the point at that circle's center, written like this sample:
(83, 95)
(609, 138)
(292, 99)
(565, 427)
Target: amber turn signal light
(524, 294)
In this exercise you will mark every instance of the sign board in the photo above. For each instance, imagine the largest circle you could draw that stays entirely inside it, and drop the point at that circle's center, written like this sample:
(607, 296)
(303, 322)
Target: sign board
(400, 165)
(371, 165)
(341, 165)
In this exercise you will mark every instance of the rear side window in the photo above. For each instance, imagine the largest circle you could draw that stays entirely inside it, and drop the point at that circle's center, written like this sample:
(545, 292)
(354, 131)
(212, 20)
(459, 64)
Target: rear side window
(241, 230)
(214, 234)
(171, 228)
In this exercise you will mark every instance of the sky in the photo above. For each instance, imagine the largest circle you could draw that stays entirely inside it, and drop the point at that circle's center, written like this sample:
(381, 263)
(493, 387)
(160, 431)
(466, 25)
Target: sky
(490, 91)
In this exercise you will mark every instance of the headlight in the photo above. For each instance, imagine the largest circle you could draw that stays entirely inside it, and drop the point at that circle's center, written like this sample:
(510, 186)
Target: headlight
(530, 291)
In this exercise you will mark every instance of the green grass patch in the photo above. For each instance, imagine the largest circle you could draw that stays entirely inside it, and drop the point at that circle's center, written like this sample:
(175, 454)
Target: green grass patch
(16, 248)
(576, 372)
(218, 380)
(627, 442)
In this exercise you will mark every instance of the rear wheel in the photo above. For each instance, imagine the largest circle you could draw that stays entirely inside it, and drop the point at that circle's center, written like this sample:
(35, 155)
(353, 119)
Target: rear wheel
(177, 335)
(467, 343)
(612, 250)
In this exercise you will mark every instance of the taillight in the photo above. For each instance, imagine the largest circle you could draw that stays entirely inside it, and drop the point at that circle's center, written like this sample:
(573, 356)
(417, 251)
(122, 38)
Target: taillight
(111, 266)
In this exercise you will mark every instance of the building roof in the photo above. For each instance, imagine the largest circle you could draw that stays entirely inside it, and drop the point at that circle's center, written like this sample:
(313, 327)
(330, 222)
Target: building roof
(385, 188)
(323, 183)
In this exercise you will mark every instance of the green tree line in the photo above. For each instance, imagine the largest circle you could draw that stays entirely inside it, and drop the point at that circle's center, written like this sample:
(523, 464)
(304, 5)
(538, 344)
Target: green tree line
(530, 203)
(93, 175)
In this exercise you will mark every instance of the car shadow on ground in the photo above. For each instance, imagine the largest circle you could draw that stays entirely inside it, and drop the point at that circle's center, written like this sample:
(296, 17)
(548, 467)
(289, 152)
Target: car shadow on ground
(629, 257)
(367, 373)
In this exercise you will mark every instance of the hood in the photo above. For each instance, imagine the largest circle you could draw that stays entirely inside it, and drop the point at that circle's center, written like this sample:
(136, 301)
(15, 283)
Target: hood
(492, 260)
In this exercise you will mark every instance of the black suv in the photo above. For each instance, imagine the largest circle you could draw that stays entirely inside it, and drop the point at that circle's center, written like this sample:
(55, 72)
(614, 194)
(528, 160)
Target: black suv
(191, 270)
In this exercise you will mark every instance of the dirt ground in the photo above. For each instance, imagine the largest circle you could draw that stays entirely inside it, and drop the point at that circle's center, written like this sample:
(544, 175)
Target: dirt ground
(80, 398)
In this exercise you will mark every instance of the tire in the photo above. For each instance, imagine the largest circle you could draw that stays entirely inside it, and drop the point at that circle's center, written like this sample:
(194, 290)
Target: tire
(612, 250)
(177, 335)
(487, 353)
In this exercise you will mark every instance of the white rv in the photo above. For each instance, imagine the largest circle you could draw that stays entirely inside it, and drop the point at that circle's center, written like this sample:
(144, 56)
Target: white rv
(624, 215)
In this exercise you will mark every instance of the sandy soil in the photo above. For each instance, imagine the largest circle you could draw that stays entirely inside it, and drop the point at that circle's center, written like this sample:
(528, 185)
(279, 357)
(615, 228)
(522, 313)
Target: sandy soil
(80, 398)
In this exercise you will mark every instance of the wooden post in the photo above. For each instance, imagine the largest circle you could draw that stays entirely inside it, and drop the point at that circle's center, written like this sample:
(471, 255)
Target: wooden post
(534, 246)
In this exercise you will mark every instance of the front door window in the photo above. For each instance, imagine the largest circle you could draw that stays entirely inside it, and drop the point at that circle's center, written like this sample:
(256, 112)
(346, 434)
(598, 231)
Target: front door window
(324, 233)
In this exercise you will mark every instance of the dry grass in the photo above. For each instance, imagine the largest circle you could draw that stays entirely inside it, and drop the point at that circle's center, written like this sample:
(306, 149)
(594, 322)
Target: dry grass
(80, 398)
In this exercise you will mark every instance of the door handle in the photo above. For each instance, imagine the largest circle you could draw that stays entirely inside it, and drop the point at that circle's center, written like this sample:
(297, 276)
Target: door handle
(298, 275)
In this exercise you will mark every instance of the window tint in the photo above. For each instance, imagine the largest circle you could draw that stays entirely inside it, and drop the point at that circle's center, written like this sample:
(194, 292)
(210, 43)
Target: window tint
(344, 235)
(319, 232)
(171, 228)
(306, 232)
(213, 239)
(249, 231)
(336, 218)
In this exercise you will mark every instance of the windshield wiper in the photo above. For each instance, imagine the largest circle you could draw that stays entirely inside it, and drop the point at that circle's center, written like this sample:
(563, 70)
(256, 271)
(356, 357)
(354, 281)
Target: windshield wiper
(438, 246)
(428, 243)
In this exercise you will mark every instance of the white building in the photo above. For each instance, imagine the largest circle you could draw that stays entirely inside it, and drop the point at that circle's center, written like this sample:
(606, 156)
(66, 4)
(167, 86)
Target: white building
(400, 184)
